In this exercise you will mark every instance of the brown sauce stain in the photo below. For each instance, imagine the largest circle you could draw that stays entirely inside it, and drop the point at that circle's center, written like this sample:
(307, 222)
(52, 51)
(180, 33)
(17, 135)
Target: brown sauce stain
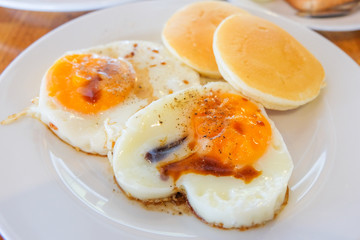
(238, 127)
(91, 90)
(158, 154)
(130, 55)
(206, 165)
(52, 126)
(176, 204)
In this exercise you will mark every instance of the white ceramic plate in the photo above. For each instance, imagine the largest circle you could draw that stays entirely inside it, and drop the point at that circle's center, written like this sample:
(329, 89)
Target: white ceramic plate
(345, 23)
(50, 191)
(60, 5)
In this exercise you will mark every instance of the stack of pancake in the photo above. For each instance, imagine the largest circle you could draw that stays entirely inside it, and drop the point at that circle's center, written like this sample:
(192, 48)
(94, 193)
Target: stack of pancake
(257, 57)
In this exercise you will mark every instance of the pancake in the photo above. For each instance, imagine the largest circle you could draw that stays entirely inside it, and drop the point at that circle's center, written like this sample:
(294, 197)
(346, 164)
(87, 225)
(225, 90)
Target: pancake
(188, 34)
(266, 63)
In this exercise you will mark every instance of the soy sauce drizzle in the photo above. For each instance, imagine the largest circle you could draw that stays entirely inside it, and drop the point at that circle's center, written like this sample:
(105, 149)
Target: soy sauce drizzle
(157, 154)
(91, 90)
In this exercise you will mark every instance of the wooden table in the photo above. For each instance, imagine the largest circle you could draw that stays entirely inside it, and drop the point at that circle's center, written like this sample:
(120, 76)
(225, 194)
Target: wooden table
(19, 29)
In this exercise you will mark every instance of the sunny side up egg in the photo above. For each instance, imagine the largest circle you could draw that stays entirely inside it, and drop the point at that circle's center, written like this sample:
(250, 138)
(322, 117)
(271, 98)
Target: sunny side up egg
(212, 144)
(87, 96)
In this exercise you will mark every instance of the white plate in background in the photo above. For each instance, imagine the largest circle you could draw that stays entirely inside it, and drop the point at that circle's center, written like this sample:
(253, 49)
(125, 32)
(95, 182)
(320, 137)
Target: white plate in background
(50, 191)
(345, 23)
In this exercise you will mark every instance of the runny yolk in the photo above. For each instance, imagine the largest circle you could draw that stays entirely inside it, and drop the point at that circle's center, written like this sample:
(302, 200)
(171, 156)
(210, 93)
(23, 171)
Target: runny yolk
(229, 134)
(88, 83)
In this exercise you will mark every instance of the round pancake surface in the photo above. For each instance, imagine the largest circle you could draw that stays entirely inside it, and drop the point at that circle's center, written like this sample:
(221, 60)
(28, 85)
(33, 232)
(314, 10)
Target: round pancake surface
(188, 34)
(266, 63)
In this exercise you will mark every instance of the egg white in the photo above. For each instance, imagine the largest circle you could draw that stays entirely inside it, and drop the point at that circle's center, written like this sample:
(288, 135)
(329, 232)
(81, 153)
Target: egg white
(96, 133)
(222, 201)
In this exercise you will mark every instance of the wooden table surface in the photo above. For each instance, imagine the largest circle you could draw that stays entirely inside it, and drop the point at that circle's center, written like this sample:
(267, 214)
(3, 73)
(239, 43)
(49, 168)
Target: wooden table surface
(19, 29)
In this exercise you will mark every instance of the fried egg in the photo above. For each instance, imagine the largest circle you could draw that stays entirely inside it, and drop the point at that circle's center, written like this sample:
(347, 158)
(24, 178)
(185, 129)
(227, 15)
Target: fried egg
(212, 144)
(86, 96)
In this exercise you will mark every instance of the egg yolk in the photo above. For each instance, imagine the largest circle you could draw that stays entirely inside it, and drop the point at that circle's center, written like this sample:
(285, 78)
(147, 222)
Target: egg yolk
(88, 83)
(229, 134)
